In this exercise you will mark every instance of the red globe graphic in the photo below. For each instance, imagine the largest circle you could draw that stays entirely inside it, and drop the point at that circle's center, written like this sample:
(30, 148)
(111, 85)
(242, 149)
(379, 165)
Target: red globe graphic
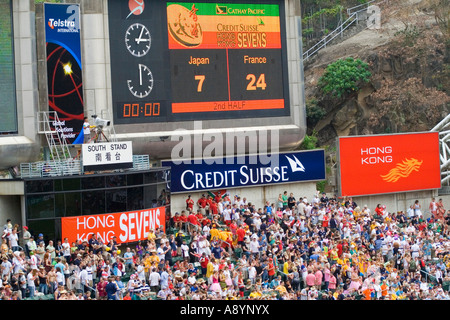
(136, 6)
(65, 89)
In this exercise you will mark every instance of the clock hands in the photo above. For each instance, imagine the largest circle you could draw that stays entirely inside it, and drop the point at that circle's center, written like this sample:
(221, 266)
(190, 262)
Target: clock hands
(140, 39)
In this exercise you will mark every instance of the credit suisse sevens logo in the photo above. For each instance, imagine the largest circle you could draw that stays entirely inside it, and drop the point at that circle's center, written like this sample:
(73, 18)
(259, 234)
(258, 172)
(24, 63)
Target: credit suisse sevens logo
(136, 7)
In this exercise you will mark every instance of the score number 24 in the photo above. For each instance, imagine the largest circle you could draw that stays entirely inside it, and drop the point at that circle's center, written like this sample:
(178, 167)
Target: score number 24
(253, 84)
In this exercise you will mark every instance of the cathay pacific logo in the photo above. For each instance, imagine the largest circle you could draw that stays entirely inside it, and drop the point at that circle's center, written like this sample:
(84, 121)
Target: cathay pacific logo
(296, 165)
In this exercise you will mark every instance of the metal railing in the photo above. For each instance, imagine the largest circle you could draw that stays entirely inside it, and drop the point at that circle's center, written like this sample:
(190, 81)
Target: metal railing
(50, 125)
(330, 37)
(443, 128)
(54, 168)
(355, 14)
(359, 8)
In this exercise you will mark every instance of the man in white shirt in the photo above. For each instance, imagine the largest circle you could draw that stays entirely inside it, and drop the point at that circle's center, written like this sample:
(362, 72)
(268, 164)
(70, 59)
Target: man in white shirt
(185, 249)
(160, 252)
(140, 270)
(252, 274)
(220, 207)
(84, 279)
(154, 279)
(66, 249)
(13, 240)
(31, 244)
(254, 245)
(415, 250)
(227, 213)
(33, 263)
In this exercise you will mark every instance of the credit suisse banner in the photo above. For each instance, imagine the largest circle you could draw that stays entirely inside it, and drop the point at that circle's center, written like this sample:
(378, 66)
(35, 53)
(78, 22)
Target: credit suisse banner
(245, 171)
(128, 226)
(389, 163)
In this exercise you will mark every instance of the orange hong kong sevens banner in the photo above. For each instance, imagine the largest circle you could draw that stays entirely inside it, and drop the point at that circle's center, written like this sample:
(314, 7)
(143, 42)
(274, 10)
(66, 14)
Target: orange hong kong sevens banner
(126, 226)
(389, 163)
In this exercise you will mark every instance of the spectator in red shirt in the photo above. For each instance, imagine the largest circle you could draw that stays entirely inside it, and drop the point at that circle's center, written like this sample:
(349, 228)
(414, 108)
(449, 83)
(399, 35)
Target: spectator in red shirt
(209, 201)
(189, 203)
(241, 234)
(193, 222)
(101, 289)
(206, 221)
(218, 196)
(177, 222)
(202, 203)
(183, 218)
(200, 217)
(204, 260)
(233, 227)
(339, 249)
(213, 208)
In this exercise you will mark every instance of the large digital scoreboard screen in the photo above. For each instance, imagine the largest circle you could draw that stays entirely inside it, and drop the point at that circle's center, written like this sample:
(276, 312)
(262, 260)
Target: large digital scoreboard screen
(176, 61)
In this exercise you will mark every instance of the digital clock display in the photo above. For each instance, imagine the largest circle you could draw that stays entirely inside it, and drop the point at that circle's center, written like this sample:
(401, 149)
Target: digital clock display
(175, 61)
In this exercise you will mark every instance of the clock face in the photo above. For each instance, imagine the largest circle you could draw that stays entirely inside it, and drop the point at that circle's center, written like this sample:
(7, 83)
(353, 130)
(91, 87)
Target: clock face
(141, 85)
(138, 40)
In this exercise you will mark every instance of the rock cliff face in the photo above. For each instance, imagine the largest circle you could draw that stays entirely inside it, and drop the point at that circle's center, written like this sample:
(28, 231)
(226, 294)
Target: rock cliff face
(409, 90)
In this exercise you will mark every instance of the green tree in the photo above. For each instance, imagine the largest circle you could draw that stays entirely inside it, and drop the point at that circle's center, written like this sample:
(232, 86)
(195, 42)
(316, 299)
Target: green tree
(344, 77)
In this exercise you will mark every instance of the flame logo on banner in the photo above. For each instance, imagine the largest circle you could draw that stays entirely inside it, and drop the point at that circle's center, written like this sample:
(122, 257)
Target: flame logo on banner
(402, 170)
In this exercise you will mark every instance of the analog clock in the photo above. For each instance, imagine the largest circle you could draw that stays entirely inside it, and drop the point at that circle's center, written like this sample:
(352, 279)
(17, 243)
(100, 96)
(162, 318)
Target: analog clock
(142, 85)
(138, 40)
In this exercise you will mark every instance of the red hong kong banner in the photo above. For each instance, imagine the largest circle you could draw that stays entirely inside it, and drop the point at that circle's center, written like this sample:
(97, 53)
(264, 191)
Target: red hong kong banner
(389, 163)
(126, 226)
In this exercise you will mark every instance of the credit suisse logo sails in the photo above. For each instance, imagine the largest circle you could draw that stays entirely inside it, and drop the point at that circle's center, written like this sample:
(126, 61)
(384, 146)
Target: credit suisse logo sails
(294, 167)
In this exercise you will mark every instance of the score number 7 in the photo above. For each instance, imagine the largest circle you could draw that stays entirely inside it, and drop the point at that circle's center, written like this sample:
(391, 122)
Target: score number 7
(200, 78)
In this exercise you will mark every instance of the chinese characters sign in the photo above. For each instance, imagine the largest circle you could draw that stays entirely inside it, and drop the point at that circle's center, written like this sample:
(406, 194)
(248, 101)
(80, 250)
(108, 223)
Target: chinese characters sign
(108, 155)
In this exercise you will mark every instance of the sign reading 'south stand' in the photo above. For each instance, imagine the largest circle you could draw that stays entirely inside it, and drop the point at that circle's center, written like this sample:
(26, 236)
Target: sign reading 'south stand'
(389, 163)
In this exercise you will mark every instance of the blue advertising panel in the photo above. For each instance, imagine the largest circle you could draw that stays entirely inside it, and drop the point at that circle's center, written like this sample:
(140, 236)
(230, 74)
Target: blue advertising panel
(64, 76)
(246, 171)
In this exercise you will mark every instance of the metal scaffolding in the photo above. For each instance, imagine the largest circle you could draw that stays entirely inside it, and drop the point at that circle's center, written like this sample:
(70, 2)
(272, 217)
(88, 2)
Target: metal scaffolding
(443, 128)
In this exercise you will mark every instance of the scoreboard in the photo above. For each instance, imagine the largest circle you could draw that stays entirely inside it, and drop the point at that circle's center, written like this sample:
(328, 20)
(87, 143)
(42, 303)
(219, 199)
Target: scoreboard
(176, 61)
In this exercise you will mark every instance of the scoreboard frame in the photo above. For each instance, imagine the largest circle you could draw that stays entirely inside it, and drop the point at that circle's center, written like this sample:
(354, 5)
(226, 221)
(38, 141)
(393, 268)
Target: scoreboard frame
(156, 92)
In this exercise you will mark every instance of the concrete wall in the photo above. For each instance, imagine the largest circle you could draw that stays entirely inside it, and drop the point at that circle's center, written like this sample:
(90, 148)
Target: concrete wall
(22, 147)
(10, 208)
(256, 195)
(402, 201)
(259, 195)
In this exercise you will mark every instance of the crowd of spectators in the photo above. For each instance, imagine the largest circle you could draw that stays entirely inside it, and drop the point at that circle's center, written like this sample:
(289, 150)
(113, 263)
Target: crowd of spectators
(322, 248)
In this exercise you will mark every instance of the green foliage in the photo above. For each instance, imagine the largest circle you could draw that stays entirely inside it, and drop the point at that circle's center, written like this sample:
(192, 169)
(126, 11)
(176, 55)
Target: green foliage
(321, 186)
(344, 77)
(309, 142)
(314, 113)
(325, 11)
(307, 32)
